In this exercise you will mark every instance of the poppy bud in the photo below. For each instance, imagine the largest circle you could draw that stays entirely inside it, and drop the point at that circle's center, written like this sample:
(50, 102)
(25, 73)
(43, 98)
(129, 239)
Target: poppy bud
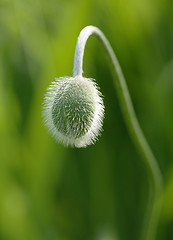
(74, 110)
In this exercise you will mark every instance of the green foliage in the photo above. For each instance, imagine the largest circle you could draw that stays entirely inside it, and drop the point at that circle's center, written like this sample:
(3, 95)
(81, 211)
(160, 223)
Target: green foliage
(98, 193)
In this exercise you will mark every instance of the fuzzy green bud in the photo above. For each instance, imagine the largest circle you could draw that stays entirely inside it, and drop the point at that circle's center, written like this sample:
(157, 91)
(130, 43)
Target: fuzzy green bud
(74, 110)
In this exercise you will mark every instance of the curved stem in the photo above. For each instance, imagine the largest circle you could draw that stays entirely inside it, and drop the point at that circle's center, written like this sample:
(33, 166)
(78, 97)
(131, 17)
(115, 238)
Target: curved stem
(155, 177)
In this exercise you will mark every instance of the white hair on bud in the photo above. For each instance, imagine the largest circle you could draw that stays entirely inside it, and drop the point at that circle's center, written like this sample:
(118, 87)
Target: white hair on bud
(73, 111)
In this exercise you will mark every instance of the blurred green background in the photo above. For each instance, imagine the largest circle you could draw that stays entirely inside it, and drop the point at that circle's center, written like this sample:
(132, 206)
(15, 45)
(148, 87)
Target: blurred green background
(47, 191)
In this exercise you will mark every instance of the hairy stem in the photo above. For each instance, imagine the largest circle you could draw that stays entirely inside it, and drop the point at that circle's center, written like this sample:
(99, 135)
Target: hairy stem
(155, 177)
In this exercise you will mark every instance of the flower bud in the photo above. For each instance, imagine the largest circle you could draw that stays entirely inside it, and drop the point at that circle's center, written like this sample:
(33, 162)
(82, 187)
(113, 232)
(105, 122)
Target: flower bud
(74, 110)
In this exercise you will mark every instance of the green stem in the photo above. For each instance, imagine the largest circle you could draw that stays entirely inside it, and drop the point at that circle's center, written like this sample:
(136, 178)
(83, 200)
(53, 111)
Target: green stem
(155, 177)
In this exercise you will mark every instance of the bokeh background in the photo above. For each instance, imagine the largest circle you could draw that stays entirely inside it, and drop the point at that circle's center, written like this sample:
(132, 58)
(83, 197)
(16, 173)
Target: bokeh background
(47, 191)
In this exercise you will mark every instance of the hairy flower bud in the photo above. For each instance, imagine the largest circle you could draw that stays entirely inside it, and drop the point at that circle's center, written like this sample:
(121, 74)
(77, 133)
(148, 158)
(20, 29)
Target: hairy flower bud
(74, 110)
